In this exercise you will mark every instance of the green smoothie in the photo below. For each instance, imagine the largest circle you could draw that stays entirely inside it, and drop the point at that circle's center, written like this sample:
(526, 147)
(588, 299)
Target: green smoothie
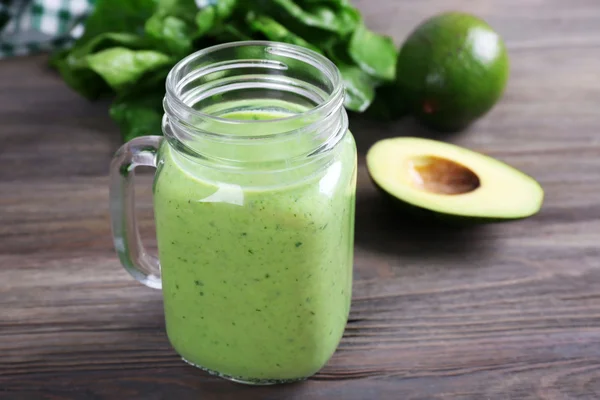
(257, 272)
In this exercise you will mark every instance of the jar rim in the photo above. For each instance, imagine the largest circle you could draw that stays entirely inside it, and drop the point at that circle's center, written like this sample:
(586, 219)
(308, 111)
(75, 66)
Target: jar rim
(308, 55)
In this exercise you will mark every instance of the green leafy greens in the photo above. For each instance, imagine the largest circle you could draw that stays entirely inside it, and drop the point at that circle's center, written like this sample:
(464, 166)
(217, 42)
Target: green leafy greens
(129, 46)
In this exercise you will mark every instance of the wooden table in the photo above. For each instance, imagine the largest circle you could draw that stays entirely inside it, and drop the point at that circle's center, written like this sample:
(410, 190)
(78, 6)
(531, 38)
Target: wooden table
(507, 311)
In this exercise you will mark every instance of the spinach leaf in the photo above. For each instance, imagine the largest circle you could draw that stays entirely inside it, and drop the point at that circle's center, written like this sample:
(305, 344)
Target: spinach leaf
(173, 26)
(120, 66)
(79, 77)
(374, 53)
(73, 65)
(214, 14)
(118, 16)
(338, 53)
(139, 111)
(112, 23)
(206, 19)
(331, 17)
(138, 116)
(110, 39)
(333, 2)
(225, 8)
(232, 31)
(360, 88)
(171, 34)
(273, 30)
(183, 9)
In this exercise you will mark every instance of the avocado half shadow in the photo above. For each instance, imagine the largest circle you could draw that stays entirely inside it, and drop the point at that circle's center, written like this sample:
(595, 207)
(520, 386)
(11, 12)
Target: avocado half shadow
(429, 178)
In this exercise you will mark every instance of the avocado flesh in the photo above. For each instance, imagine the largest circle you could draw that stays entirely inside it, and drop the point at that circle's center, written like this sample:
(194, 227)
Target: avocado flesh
(446, 179)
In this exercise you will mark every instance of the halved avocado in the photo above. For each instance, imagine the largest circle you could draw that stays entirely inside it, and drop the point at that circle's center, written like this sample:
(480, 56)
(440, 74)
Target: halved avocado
(451, 182)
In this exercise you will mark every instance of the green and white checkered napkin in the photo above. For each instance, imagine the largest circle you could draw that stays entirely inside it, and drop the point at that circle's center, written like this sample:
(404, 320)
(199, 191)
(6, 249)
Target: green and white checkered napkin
(29, 26)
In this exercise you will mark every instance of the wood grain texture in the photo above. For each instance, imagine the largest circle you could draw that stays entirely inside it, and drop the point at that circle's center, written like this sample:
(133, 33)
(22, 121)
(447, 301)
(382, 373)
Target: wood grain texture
(508, 311)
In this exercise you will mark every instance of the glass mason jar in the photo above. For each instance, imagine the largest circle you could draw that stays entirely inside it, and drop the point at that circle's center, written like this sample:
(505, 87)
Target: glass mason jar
(254, 197)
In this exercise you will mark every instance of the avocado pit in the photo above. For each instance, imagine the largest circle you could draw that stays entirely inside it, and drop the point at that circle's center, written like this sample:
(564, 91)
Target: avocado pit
(441, 176)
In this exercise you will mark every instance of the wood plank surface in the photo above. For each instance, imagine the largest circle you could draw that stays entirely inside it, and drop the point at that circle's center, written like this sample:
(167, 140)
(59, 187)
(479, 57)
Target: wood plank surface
(509, 311)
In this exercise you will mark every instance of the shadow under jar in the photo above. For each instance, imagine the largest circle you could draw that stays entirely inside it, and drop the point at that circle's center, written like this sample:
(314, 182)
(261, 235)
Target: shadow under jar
(254, 198)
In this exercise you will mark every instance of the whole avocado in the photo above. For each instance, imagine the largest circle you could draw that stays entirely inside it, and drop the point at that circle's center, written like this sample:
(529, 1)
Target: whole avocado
(451, 70)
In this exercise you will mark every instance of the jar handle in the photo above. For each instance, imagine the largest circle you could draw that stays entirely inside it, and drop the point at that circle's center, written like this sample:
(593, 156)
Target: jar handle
(141, 151)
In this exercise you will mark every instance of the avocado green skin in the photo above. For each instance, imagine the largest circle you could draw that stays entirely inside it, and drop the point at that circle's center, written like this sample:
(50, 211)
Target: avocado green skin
(452, 70)
(415, 212)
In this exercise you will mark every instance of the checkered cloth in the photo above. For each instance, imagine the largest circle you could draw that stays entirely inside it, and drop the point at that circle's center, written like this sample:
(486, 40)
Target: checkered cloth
(29, 26)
